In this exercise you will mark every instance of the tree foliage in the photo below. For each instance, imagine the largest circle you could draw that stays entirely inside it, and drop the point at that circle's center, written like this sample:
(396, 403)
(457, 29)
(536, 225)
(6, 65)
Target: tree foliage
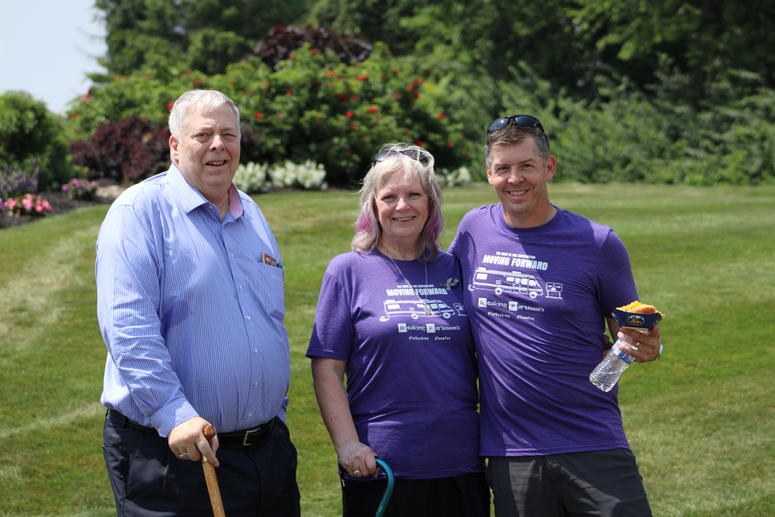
(205, 35)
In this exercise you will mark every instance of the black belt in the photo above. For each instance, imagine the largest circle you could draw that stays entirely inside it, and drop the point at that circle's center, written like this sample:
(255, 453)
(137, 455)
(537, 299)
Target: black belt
(246, 438)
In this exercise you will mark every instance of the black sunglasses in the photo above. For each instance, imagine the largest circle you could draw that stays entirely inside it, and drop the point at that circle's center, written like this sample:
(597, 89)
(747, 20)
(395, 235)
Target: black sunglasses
(527, 121)
(414, 154)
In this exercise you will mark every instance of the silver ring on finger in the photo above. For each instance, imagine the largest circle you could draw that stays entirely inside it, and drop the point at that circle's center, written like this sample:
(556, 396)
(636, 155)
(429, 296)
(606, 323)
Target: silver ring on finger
(356, 472)
(183, 455)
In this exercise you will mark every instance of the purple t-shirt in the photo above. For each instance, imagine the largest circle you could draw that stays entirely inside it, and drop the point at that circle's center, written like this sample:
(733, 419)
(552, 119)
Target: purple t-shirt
(537, 299)
(411, 374)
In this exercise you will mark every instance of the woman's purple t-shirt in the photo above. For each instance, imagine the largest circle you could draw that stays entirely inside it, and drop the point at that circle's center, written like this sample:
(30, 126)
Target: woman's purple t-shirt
(411, 374)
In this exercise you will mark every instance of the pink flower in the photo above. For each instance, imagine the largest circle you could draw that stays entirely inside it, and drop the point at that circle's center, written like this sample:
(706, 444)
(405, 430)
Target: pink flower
(27, 202)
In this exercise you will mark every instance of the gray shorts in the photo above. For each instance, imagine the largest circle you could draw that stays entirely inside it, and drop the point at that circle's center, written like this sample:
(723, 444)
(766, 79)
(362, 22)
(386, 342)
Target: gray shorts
(600, 483)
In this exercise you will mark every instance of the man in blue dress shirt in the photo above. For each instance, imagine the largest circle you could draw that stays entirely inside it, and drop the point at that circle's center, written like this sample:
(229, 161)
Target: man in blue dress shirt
(190, 305)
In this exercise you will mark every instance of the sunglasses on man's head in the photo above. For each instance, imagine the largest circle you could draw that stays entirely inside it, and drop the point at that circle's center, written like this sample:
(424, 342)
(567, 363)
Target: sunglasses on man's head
(414, 154)
(527, 121)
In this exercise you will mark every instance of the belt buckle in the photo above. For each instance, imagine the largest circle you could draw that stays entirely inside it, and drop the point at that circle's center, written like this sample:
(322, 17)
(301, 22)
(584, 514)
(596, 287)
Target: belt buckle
(248, 433)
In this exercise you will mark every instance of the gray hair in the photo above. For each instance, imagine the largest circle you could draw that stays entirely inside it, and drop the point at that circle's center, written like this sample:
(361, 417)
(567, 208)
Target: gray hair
(368, 231)
(514, 135)
(208, 99)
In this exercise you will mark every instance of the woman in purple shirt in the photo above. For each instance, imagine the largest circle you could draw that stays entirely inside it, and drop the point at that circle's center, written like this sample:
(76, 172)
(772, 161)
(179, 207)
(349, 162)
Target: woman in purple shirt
(390, 318)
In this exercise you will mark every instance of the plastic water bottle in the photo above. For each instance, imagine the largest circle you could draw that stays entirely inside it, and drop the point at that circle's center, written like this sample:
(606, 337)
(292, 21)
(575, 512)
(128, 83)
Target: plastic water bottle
(607, 373)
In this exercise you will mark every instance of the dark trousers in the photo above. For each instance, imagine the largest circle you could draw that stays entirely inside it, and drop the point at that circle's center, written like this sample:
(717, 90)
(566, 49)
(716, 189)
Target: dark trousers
(149, 481)
(466, 495)
(596, 483)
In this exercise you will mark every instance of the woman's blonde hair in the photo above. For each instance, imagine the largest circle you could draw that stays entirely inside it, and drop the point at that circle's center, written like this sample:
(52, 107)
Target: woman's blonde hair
(411, 161)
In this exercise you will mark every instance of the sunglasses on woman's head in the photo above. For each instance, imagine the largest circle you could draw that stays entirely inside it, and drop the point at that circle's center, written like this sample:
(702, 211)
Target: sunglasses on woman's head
(527, 121)
(414, 154)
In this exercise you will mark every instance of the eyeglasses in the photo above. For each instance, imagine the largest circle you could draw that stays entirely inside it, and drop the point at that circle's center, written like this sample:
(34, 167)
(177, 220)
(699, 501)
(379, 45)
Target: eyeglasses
(527, 121)
(415, 154)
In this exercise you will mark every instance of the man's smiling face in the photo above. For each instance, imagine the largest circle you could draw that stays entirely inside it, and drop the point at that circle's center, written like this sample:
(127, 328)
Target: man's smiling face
(519, 175)
(208, 150)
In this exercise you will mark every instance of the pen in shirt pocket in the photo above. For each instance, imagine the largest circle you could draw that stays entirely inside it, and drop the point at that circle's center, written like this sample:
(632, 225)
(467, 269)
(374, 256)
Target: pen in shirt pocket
(269, 260)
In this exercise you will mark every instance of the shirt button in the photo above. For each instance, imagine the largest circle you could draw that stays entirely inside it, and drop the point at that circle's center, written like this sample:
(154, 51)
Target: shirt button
(255, 384)
(231, 255)
(250, 414)
(255, 350)
(249, 317)
(241, 286)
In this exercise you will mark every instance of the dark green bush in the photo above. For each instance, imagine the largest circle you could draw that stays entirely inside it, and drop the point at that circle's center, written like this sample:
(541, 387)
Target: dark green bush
(33, 139)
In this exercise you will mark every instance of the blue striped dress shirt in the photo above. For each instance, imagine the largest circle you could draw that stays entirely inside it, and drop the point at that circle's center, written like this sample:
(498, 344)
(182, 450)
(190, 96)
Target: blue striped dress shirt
(191, 308)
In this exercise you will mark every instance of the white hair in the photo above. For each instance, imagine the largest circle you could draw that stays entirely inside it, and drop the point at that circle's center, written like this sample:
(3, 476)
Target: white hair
(209, 99)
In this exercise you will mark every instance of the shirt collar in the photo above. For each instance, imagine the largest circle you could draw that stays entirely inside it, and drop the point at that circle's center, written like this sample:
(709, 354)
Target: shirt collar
(190, 198)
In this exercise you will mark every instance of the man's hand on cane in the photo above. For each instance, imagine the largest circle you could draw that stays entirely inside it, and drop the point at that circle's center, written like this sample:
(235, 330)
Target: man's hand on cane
(188, 441)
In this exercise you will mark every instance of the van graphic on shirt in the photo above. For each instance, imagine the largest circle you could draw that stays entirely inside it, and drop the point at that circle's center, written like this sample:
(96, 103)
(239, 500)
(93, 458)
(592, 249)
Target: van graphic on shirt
(417, 308)
(514, 282)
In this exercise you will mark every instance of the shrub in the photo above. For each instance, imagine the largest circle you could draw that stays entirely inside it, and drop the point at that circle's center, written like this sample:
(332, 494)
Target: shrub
(126, 151)
(251, 177)
(454, 178)
(28, 204)
(32, 137)
(14, 181)
(308, 175)
(80, 189)
(310, 107)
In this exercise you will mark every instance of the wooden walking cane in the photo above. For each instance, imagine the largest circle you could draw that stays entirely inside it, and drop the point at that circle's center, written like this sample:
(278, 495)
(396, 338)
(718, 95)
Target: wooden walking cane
(212, 479)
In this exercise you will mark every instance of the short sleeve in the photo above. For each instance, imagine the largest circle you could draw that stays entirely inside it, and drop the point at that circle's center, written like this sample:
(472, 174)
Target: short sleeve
(333, 331)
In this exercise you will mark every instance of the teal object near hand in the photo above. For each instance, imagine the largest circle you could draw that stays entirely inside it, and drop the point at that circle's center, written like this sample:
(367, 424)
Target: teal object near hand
(391, 480)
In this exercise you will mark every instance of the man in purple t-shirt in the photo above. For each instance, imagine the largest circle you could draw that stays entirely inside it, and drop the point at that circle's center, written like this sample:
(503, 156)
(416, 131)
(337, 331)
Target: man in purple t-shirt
(540, 283)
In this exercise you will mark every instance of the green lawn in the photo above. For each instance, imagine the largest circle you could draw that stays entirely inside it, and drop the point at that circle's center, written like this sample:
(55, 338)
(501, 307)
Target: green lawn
(700, 420)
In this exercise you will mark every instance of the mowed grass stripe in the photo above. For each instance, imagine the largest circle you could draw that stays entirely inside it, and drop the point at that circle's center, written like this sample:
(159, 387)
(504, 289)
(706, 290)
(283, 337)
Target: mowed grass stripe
(29, 299)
